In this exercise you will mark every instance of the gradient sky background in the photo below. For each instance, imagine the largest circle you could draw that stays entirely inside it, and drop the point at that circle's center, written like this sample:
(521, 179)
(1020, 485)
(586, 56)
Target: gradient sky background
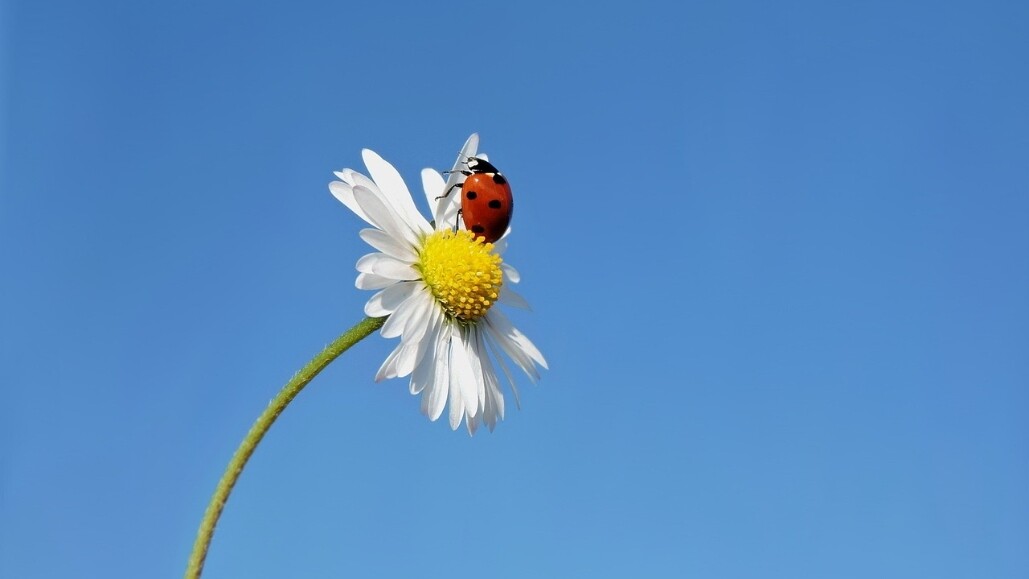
(778, 255)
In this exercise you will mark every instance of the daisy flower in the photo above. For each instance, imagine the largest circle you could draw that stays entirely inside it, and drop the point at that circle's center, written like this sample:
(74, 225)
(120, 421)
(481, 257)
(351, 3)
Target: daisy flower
(439, 286)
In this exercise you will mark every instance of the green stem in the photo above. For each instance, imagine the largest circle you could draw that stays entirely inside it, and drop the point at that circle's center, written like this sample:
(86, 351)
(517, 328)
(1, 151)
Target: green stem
(246, 448)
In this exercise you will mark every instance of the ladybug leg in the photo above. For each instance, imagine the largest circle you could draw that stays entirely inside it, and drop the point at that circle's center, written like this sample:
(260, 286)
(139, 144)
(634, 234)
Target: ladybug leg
(457, 219)
(455, 185)
(465, 171)
(452, 187)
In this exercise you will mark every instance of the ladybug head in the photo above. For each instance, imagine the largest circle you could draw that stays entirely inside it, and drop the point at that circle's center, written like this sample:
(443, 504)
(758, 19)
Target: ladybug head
(477, 165)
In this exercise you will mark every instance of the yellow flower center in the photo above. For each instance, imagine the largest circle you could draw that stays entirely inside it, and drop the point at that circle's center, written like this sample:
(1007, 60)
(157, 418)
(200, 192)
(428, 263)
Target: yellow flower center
(463, 274)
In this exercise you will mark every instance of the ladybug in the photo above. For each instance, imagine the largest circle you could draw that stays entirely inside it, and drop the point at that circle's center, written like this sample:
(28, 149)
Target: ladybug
(486, 201)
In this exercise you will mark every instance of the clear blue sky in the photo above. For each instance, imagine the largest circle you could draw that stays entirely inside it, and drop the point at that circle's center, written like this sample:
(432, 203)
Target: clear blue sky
(778, 255)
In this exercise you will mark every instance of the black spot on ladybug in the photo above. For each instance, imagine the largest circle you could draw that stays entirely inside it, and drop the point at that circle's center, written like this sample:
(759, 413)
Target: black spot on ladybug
(478, 229)
(494, 204)
(499, 179)
(471, 194)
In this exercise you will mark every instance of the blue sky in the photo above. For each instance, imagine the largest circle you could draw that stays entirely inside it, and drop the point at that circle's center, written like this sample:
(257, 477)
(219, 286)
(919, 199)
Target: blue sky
(777, 253)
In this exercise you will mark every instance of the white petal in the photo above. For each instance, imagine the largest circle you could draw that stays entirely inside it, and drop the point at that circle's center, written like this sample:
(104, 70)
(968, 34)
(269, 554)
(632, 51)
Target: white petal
(365, 263)
(379, 214)
(394, 326)
(388, 368)
(397, 270)
(434, 185)
(370, 281)
(397, 362)
(411, 318)
(414, 353)
(421, 318)
(470, 149)
(437, 394)
(494, 396)
(500, 245)
(394, 190)
(495, 350)
(355, 178)
(471, 345)
(510, 347)
(463, 384)
(509, 297)
(494, 403)
(425, 366)
(383, 216)
(427, 394)
(448, 217)
(500, 322)
(388, 244)
(386, 266)
(345, 194)
(457, 398)
(473, 387)
(489, 412)
(447, 208)
(388, 300)
(510, 274)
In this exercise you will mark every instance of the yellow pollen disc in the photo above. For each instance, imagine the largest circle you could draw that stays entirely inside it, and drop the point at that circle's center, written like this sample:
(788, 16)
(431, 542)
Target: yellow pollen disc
(463, 274)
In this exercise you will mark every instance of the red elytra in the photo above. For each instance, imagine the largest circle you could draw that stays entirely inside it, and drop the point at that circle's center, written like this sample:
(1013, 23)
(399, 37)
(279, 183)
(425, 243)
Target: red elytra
(486, 200)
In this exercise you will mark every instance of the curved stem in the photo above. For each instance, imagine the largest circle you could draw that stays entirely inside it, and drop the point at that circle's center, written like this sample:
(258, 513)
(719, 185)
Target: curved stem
(246, 448)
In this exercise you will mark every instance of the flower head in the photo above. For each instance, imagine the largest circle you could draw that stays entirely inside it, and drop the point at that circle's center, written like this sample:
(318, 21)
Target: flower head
(439, 286)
